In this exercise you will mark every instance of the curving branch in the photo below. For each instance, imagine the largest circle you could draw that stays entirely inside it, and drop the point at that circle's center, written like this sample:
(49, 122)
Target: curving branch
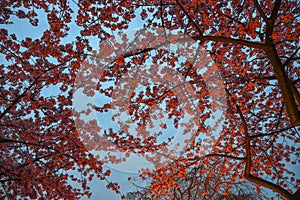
(284, 82)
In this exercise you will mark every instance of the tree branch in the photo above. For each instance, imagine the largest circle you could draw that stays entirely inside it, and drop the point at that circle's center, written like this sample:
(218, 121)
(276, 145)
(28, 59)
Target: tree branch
(270, 134)
(285, 85)
(295, 92)
(274, 14)
(226, 156)
(291, 57)
(269, 185)
(248, 166)
(261, 12)
(232, 41)
(190, 18)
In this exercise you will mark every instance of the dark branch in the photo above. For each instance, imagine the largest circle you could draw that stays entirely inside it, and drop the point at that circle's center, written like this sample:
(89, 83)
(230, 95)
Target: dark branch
(226, 156)
(270, 134)
(261, 12)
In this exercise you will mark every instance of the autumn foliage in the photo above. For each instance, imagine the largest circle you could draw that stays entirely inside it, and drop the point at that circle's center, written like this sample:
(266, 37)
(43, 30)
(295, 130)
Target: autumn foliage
(252, 76)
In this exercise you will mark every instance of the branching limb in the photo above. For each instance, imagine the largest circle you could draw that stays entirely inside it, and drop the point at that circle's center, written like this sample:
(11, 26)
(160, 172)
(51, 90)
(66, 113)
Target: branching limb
(261, 12)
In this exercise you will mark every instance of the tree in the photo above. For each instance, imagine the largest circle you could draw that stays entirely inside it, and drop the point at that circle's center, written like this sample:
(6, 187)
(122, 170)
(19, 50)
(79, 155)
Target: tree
(199, 185)
(253, 45)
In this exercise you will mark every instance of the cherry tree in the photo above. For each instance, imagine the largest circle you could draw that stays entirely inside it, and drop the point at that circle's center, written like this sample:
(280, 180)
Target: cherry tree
(253, 62)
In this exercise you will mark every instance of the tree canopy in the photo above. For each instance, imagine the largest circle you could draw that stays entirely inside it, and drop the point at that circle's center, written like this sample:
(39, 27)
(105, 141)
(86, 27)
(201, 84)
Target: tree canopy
(224, 75)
